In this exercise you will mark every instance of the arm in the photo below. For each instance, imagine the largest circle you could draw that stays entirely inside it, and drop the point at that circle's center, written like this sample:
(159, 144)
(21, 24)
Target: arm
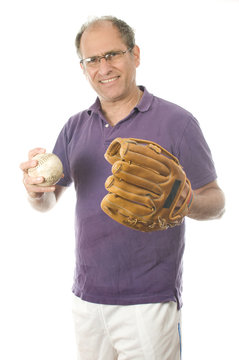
(41, 198)
(208, 203)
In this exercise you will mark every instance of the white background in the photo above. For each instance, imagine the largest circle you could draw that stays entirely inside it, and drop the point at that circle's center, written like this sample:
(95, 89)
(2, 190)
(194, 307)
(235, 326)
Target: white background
(189, 55)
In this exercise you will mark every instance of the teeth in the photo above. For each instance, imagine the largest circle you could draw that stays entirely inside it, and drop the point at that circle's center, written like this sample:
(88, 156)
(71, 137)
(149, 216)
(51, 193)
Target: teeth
(108, 80)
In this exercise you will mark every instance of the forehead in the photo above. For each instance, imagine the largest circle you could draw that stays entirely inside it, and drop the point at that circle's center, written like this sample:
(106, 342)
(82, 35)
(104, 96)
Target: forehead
(100, 38)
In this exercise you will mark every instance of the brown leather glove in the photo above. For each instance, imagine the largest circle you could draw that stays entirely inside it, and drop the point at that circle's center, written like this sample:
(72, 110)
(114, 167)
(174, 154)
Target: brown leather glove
(146, 186)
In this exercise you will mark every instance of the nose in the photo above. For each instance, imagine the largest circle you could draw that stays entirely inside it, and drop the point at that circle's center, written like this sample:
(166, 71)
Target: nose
(104, 66)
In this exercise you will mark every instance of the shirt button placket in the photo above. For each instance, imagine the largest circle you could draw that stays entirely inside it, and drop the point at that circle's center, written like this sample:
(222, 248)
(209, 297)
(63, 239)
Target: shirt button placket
(106, 134)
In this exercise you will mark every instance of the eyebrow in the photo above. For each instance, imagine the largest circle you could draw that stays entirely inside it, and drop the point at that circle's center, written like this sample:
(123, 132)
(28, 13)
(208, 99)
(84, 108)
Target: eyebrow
(107, 52)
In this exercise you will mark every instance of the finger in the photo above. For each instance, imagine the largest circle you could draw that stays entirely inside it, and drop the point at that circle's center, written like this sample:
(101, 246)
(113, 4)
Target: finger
(41, 189)
(35, 151)
(34, 184)
(24, 166)
(37, 188)
(30, 180)
(28, 164)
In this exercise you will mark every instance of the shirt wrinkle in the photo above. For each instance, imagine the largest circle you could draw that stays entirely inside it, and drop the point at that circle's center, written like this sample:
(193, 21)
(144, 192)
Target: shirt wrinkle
(115, 264)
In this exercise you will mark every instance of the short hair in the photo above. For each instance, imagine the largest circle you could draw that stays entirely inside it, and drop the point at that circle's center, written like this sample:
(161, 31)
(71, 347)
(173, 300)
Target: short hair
(126, 32)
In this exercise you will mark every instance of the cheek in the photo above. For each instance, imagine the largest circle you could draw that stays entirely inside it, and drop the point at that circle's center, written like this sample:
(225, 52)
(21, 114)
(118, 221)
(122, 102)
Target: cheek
(131, 72)
(90, 76)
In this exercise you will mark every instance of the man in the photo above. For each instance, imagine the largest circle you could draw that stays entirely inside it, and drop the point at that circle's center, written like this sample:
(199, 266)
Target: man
(127, 289)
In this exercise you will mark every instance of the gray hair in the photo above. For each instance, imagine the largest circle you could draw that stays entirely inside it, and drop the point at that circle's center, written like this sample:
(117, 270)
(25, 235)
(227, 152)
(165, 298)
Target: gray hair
(126, 32)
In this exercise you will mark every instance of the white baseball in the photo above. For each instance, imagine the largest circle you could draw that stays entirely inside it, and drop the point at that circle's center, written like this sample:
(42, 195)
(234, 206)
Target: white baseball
(49, 166)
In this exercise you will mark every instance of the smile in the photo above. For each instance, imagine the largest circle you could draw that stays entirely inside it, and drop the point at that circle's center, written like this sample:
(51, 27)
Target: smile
(108, 80)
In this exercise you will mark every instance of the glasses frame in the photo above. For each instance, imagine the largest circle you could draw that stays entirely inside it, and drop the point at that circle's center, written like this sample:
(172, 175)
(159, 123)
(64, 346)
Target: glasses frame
(98, 58)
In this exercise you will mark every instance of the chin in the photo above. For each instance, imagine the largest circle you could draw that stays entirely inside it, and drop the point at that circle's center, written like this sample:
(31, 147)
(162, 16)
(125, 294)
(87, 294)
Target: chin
(111, 96)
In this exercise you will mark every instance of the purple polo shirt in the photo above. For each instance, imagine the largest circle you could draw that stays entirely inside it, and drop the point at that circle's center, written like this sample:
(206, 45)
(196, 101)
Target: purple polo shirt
(115, 264)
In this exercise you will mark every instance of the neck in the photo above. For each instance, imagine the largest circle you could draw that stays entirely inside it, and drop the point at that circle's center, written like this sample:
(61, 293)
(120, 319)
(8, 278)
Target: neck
(118, 110)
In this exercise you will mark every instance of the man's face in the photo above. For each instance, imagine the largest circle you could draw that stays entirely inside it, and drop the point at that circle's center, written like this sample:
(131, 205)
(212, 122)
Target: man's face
(112, 82)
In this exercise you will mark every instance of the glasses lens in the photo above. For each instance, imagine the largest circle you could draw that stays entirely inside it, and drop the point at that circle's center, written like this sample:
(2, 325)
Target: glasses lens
(111, 57)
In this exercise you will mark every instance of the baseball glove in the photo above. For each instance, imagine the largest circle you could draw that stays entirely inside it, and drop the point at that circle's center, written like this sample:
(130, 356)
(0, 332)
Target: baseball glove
(146, 186)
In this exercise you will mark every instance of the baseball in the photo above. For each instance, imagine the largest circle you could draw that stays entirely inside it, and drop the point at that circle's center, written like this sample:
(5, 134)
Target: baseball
(49, 166)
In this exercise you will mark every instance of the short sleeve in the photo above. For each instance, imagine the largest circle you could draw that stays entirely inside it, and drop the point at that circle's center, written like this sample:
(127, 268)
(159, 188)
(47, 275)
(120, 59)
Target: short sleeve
(61, 150)
(195, 155)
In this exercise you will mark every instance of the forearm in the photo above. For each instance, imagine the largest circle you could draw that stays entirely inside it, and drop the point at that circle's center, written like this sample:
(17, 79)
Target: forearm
(207, 205)
(44, 203)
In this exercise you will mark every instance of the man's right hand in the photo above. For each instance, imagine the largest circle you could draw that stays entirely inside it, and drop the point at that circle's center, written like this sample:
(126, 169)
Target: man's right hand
(33, 184)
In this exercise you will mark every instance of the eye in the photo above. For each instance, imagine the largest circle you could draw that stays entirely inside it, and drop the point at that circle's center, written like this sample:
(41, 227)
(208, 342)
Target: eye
(92, 60)
(111, 55)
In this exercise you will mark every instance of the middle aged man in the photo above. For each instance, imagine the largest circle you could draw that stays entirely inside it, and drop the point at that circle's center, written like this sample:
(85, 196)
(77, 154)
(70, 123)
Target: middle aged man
(127, 288)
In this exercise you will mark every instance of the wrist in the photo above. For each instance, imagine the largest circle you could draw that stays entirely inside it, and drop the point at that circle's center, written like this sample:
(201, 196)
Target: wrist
(32, 196)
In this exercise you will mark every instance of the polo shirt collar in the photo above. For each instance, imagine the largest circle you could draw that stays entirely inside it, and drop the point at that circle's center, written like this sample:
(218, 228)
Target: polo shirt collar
(142, 106)
(145, 101)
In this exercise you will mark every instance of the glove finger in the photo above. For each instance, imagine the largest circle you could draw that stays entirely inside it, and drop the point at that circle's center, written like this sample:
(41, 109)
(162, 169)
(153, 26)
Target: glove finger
(122, 167)
(138, 176)
(146, 157)
(135, 216)
(112, 153)
(130, 192)
(112, 204)
(131, 149)
(156, 148)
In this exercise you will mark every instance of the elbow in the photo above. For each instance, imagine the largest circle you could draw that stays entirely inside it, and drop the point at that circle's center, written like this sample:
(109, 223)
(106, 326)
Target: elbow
(220, 208)
(222, 205)
(209, 205)
(220, 214)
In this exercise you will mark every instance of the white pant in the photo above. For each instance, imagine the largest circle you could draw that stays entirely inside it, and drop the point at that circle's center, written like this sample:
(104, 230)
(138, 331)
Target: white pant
(135, 332)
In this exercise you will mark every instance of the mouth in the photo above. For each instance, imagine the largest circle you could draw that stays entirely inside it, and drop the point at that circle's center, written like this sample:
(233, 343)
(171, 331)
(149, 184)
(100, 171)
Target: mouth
(107, 81)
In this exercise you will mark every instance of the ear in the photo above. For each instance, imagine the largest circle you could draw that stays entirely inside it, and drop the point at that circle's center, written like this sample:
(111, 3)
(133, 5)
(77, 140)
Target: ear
(136, 52)
(82, 67)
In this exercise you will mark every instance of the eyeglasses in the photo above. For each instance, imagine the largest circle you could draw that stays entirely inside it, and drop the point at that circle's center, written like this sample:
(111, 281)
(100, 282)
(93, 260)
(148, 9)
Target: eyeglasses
(111, 57)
